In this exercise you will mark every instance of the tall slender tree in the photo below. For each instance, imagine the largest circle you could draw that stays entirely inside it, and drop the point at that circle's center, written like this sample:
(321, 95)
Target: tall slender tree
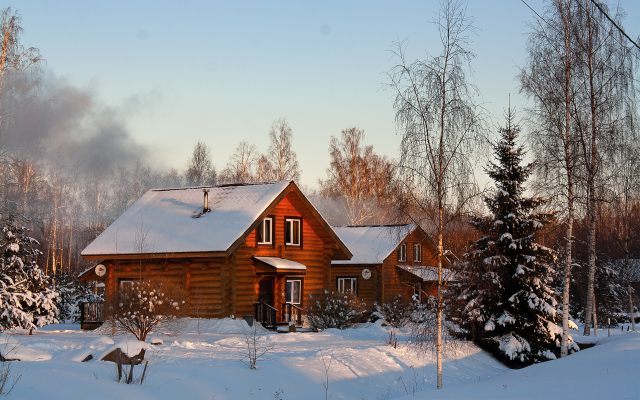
(548, 81)
(603, 101)
(441, 126)
(282, 159)
(200, 169)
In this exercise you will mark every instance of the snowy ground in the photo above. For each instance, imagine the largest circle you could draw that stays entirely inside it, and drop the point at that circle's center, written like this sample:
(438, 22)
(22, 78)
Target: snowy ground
(208, 366)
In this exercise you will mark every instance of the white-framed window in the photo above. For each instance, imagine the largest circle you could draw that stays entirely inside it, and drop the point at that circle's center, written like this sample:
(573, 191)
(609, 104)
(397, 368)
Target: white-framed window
(417, 292)
(126, 284)
(402, 253)
(265, 231)
(348, 285)
(293, 291)
(417, 252)
(293, 231)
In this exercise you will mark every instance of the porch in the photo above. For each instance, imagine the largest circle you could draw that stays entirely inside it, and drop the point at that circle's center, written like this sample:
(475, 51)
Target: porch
(271, 318)
(91, 315)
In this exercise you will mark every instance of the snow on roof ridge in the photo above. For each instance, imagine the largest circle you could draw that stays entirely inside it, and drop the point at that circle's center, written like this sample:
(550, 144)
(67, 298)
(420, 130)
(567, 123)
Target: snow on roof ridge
(372, 244)
(217, 186)
(167, 217)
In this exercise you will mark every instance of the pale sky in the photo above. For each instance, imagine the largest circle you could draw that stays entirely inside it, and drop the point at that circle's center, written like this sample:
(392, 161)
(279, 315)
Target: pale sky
(222, 72)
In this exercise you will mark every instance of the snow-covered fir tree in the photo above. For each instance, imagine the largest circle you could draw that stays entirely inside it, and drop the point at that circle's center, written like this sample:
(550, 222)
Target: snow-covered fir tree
(510, 309)
(26, 300)
(72, 293)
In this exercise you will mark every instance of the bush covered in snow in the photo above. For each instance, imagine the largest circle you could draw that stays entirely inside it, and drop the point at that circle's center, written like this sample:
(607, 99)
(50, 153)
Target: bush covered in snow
(26, 301)
(143, 305)
(330, 309)
(397, 312)
(72, 293)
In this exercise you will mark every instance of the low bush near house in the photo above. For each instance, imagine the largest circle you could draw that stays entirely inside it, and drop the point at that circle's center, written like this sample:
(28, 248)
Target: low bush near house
(397, 312)
(330, 309)
(144, 305)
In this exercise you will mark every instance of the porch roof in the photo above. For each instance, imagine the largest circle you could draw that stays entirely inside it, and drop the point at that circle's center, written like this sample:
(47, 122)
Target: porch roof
(277, 265)
(427, 273)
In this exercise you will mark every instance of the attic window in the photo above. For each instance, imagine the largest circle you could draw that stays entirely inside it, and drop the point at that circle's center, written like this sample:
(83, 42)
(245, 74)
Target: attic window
(402, 253)
(293, 231)
(417, 252)
(264, 231)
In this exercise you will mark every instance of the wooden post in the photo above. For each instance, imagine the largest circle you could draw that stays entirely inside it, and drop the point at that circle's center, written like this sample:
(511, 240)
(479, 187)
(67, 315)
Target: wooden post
(119, 363)
(130, 378)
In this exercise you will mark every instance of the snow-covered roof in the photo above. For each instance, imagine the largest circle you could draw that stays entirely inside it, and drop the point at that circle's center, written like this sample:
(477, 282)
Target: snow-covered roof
(169, 220)
(281, 263)
(427, 273)
(371, 244)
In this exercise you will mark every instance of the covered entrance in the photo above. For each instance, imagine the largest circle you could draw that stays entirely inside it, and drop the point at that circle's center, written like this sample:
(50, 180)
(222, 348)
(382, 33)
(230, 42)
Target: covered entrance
(280, 291)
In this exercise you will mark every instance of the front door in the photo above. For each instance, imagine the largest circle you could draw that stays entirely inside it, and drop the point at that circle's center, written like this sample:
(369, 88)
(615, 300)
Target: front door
(265, 291)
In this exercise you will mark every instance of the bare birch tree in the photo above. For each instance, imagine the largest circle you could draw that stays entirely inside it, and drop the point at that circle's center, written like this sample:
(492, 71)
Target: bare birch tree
(200, 169)
(348, 175)
(19, 68)
(440, 123)
(548, 81)
(282, 159)
(240, 165)
(603, 99)
(627, 208)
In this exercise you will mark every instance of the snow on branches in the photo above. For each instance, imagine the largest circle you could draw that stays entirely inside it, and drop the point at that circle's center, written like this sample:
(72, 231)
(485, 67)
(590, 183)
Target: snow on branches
(26, 301)
(141, 306)
(509, 306)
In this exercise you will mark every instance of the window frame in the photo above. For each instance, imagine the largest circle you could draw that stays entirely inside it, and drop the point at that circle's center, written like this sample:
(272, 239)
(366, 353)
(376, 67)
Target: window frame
(126, 281)
(417, 289)
(417, 252)
(402, 253)
(300, 294)
(287, 232)
(353, 285)
(272, 232)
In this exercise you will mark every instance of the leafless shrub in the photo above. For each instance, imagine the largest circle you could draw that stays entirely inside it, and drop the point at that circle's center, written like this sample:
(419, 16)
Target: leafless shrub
(144, 305)
(330, 309)
(397, 312)
(8, 380)
(255, 350)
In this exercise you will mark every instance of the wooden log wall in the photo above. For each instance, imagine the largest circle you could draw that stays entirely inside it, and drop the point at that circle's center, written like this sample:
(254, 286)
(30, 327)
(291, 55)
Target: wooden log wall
(201, 278)
(219, 287)
(315, 253)
(369, 290)
(394, 280)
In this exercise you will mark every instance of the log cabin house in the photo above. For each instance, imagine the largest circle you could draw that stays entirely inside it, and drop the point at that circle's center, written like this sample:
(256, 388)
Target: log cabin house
(247, 249)
(388, 260)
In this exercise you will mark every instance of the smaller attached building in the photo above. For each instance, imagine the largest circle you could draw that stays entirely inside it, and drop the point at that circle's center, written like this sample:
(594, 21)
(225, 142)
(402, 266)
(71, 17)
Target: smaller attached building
(388, 260)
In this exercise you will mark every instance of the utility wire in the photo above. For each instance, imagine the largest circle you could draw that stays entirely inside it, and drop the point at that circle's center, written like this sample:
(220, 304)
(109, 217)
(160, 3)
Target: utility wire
(579, 4)
(614, 23)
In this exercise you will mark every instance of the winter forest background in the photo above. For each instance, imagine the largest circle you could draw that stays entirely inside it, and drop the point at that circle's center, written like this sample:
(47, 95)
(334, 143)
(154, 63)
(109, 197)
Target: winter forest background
(68, 169)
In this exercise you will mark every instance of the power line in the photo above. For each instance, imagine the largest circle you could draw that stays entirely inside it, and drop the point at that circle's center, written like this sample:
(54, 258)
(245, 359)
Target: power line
(580, 5)
(614, 23)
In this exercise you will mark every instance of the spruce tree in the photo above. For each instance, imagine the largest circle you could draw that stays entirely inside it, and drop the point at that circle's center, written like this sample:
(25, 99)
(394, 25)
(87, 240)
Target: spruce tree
(26, 300)
(510, 309)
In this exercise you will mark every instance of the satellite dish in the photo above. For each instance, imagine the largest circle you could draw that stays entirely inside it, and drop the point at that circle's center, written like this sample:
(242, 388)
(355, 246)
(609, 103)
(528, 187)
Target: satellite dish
(366, 273)
(100, 270)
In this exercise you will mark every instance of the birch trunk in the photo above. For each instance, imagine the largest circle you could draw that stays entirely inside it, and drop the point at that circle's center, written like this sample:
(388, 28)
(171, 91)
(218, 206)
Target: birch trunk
(590, 156)
(440, 305)
(569, 169)
(631, 314)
